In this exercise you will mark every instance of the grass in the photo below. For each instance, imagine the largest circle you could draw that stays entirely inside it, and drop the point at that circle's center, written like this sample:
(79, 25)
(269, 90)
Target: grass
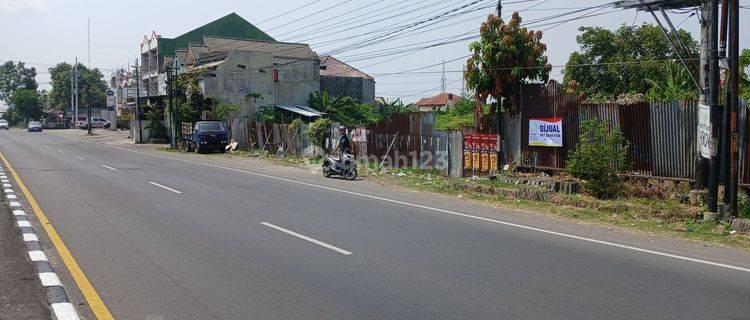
(660, 217)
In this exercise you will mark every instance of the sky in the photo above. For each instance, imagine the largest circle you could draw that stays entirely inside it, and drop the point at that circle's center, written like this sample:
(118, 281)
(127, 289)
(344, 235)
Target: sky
(45, 32)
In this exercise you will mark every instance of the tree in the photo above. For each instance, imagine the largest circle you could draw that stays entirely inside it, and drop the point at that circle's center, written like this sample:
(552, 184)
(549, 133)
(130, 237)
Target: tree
(15, 76)
(26, 104)
(344, 110)
(745, 77)
(505, 57)
(87, 78)
(392, 107)
(222, 110)
(629, 60)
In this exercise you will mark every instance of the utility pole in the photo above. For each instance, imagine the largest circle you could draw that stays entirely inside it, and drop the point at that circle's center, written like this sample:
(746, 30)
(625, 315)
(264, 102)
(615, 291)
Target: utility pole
(88, 39)
(138, 101)
(75, 76)
(170, 97)
(442, 79)
(705, 21)
(731, 184)
(88, 109)
(72, 95)
(713, 102)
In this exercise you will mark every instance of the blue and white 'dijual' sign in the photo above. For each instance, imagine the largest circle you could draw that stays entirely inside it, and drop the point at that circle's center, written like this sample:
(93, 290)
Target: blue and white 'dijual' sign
(546, 132)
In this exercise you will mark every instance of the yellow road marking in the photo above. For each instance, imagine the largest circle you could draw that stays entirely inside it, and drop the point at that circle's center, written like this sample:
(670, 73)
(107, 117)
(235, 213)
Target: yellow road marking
(92, 297)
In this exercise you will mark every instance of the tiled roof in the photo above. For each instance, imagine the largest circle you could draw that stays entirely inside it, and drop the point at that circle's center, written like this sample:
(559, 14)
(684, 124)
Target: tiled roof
(330, 66)
(438, 100)
(278, 49)
(193, 53)
(181, 53)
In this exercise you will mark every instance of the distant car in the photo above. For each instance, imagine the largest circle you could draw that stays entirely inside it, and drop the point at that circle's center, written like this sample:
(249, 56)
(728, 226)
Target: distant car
(50, 125)
(4, 124)
(34, 126)
(95, 123)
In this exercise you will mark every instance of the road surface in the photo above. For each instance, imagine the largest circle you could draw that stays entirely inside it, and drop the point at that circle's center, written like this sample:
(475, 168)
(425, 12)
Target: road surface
(163, 238)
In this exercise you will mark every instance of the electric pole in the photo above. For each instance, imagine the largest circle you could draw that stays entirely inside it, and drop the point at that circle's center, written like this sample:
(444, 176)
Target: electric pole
(442, 79)
(713, 102)
(138, 101)
(88, 109)
(75, 76)
(731, 184)
(72, 95)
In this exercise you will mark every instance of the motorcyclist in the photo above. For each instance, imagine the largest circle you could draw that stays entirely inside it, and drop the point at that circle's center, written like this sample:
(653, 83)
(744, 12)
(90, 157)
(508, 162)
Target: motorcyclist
(345, 143)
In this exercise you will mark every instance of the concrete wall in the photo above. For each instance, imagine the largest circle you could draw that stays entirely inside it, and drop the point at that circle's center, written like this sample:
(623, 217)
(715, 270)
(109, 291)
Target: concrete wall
(233, 82)
(297, 80)
(358, 88)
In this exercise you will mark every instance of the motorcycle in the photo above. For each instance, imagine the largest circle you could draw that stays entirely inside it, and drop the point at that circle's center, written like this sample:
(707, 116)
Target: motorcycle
(345, 167)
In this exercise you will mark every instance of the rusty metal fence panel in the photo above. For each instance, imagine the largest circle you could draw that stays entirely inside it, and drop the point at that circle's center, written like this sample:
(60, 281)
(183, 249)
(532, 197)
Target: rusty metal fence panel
(673, 138)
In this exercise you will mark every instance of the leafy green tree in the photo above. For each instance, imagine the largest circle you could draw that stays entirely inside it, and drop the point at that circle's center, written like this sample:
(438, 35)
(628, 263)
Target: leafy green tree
(222, 110)
(505, 57)
(318, 131)
(599, 156)
(392, 107)
(188, 97)
(745, 77)
(15, 76)
(154, 125)
(91, 79)
(26, 104)
(629, 60)
(344, 110)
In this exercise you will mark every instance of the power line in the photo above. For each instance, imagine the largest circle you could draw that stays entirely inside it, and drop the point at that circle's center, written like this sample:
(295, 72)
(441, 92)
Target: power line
(314, 13)
(288, 12)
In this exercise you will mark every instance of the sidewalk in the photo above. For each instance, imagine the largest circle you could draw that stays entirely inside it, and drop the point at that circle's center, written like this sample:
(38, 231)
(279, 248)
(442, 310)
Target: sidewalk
(21, 293)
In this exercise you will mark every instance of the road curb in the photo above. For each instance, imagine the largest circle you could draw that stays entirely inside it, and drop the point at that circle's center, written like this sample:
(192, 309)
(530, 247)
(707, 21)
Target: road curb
(57, 298)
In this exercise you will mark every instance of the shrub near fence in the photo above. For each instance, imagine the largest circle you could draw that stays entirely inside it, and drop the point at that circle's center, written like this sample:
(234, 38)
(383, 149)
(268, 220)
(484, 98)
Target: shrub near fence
(662, 135)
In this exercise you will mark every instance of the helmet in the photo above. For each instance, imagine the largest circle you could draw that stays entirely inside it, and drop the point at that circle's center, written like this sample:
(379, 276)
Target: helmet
(342, 128)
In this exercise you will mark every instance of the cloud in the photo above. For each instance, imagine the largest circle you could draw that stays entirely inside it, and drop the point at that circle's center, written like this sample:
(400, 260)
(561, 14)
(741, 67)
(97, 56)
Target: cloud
(18, 5)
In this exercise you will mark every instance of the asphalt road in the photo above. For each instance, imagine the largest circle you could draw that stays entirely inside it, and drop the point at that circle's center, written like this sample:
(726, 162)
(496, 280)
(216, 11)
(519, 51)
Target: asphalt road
(167, 239)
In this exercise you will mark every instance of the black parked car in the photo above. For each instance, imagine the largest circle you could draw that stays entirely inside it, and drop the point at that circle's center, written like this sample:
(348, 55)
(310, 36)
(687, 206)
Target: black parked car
(34, 126)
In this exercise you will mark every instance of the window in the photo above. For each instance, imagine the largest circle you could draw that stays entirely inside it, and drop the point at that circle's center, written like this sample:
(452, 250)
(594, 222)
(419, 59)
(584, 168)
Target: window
(212, 126)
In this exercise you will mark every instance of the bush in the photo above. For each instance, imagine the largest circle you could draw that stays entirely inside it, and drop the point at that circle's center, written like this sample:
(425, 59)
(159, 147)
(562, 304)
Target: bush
(156, 128)
(318, 131)
(598, 158)
(222, 110)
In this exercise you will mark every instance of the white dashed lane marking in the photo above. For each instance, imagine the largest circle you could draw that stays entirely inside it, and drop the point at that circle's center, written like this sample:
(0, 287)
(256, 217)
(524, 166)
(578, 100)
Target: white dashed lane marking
(306, 238)
(165, 187)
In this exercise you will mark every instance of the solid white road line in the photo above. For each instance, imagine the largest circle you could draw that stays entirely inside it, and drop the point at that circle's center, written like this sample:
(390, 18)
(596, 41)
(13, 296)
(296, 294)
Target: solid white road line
(164, 187)
(306, 238)
(79, 158)
(37, 256)
(27, 237)
(408, 204)
(108, 167)
(65, 311)
(49, 279)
